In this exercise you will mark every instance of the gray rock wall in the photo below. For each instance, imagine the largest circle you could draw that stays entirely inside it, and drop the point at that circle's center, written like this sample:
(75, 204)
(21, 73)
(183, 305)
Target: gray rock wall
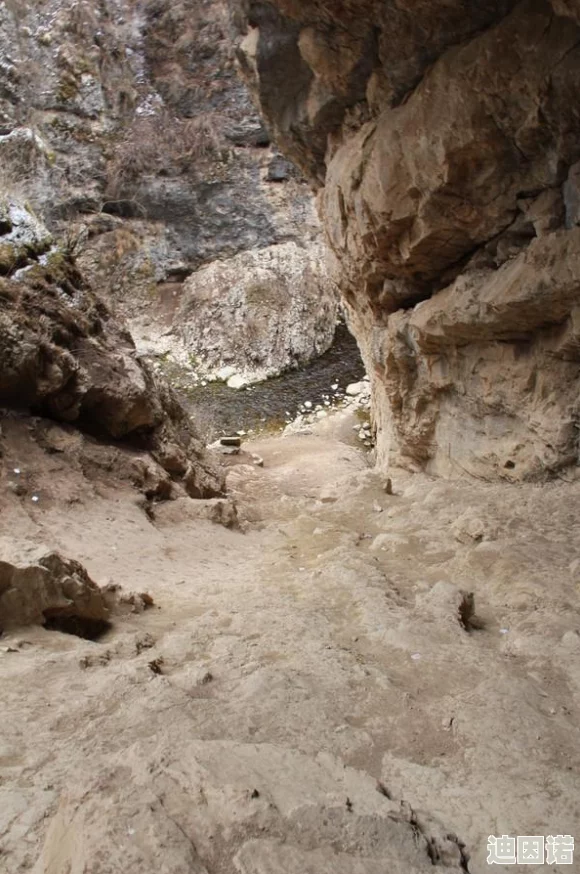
(135, 112)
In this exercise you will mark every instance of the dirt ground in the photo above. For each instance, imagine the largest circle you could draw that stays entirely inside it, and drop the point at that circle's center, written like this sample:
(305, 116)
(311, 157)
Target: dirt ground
(312, 695)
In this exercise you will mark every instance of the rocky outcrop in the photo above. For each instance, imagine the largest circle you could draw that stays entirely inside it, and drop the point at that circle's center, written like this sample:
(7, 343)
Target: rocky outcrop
(64, 356)
(38, 591)
(58, 593)
(130, 132)
(244, 313)
(445, 143)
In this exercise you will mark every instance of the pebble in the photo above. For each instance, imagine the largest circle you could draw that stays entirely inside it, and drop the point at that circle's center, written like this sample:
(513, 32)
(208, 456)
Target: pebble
(226, 373)
(355, 388)
(308, 405)
(237, 382)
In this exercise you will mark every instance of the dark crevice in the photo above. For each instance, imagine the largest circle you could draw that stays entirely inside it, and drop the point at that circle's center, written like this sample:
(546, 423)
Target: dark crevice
(84, 627)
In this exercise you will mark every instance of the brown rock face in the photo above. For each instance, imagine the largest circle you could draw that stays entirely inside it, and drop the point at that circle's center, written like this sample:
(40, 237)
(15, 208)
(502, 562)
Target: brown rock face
(63, 356)
(445, 140)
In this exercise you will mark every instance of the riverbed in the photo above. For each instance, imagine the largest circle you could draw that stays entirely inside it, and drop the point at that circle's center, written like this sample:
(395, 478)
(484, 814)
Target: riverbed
(268, 405)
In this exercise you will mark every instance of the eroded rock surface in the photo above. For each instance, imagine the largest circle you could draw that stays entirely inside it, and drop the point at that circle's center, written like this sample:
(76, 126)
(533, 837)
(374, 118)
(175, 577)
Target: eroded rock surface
(130, 131)
(64, 356)
(245, 312)
(444, 139)
(51, 586)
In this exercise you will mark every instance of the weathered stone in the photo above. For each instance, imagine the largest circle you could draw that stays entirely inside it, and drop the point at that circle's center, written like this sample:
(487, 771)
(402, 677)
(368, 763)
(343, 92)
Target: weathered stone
(31, 592)
(260, 312)
(64, 356)
(449, 196)
(137, 111)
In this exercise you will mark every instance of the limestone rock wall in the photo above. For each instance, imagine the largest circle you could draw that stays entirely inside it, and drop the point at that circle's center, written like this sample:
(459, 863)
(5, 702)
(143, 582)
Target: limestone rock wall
(128, 129)
(444, 139)
(243, 313)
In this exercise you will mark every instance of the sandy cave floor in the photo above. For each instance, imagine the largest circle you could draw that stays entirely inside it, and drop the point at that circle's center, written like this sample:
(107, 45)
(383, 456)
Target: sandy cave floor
(319, 706)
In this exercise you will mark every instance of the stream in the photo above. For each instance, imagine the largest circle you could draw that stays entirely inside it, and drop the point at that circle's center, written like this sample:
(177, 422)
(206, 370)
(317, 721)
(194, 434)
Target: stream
(220, 410)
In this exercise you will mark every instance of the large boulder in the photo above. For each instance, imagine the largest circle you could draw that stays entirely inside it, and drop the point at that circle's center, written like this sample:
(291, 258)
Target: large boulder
(444, 138)
(261, 312)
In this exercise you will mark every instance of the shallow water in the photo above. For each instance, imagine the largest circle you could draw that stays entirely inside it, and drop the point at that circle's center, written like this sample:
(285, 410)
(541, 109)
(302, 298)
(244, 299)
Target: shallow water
(221, 410)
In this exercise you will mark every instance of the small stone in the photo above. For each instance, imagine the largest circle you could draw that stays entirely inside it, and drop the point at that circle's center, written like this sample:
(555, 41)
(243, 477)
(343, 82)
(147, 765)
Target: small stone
(321, 414)
(226, 373)
(334, 387)
(237, 382)
(308, 405)
(35, 499)
(229, 450)
(354, 389)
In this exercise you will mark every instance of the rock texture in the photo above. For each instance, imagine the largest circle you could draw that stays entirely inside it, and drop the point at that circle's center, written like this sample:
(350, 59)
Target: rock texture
(245, 312)
(129, 131)
(64, 356)
(49, 587)
(316, 697)
(444, 139)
